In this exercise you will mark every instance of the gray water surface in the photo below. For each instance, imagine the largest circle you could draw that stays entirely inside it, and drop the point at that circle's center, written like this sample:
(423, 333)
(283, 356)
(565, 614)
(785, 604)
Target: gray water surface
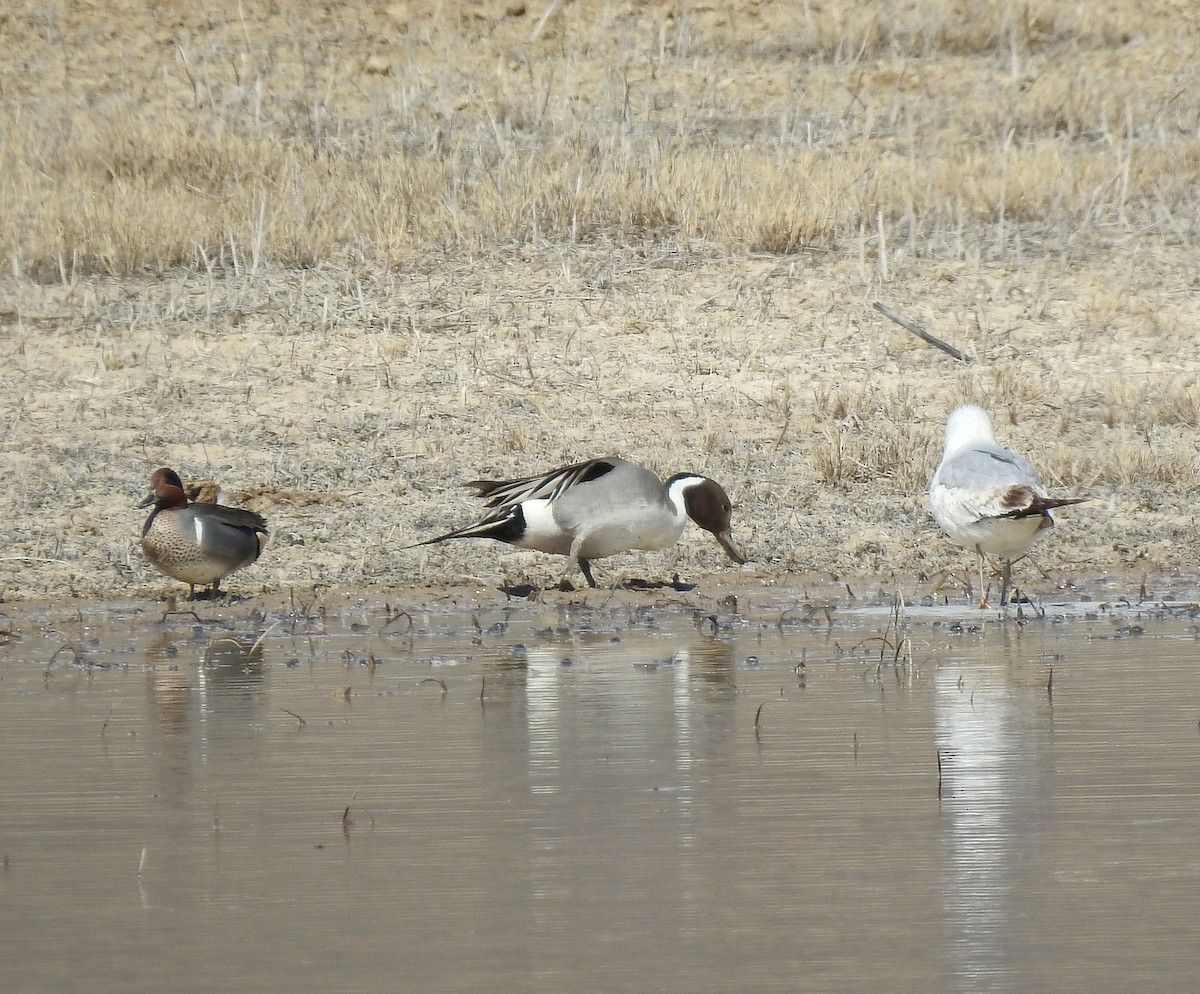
(640, 798)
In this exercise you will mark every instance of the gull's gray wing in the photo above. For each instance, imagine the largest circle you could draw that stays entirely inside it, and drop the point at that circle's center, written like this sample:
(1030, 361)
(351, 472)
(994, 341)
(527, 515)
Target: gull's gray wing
(987, 468)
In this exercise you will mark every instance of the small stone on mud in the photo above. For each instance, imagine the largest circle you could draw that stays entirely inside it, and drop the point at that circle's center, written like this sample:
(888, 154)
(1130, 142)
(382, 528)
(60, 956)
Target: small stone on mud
(378, 65)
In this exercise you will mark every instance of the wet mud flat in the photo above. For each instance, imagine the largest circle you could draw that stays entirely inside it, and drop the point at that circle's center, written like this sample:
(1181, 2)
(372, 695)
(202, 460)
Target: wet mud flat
(794, 786)
(717, 603)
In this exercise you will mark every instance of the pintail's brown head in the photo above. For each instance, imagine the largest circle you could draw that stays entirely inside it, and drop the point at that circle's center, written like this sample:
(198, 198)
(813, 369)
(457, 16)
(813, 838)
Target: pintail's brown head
(707, 504)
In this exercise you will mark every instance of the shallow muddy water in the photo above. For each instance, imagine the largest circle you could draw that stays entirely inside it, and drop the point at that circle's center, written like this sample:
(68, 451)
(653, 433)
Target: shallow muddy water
(658, 795)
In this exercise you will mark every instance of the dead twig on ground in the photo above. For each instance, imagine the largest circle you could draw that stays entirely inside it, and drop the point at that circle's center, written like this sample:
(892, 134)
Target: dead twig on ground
(921, 333)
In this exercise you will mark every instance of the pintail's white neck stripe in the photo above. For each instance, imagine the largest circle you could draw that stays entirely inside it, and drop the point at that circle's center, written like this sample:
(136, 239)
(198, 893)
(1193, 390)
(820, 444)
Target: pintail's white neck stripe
(679, 486)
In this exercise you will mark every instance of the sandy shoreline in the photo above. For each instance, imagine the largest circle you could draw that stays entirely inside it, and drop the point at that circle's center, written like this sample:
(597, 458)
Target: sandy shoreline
(715, 603)
(353, 442)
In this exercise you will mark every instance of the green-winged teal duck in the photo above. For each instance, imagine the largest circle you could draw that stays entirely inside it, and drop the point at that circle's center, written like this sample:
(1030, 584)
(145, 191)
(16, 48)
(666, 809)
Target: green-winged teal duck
(197, 543)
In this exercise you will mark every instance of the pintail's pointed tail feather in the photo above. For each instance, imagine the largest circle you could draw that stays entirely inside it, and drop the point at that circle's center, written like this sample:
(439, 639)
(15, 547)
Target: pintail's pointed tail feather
(506, 528)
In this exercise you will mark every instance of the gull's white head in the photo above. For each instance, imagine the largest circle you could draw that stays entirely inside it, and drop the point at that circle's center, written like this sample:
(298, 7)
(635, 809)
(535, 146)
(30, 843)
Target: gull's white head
(968, 425)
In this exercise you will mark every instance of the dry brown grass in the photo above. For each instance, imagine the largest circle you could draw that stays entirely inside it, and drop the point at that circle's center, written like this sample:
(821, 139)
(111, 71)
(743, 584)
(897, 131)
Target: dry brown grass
(371, 249)
(285, 139)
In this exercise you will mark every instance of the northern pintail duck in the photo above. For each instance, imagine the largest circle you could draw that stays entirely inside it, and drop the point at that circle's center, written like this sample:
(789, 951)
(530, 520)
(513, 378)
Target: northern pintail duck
(987, 498)
(598, 508)
(197, 543)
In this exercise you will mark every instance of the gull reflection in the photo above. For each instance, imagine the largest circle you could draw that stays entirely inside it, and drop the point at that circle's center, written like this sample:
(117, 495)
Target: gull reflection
(995, 746)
